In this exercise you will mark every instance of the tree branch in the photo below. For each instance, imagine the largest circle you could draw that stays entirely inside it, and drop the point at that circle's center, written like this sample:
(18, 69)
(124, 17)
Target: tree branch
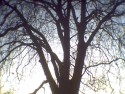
(36, 90)
(11, 29)
(5, 17)
(47, 72)
(9, 54)
(107, 17)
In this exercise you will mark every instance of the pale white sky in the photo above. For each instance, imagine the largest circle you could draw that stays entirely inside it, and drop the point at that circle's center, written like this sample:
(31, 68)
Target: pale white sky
(31, 81)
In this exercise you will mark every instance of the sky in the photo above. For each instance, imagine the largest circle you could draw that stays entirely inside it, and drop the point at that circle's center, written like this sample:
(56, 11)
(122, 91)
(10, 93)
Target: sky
(31, 81)
(34, 76)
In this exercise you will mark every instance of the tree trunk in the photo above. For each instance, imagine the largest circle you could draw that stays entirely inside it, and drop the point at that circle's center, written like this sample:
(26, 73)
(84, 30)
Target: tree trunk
(66, 88)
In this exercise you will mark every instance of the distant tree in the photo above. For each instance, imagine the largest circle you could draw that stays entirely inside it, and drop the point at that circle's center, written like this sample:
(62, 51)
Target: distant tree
(89, 35)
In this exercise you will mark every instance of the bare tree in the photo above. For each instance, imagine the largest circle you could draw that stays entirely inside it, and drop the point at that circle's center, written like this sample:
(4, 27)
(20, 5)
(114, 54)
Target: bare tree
(88, 33)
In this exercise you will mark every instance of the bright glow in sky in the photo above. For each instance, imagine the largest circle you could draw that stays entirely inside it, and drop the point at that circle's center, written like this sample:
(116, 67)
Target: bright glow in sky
(32, 80)
(30, 83)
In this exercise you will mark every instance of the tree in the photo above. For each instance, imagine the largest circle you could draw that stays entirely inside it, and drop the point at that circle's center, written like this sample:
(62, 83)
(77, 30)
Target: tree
(89, 33)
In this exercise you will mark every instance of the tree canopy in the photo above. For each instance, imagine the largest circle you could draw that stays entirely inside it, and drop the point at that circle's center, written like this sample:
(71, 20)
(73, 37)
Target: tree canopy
(78, 43)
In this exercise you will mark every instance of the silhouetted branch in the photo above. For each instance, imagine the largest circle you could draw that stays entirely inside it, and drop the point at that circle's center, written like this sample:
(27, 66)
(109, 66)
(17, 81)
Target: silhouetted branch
(36, 90)
(10, 29)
